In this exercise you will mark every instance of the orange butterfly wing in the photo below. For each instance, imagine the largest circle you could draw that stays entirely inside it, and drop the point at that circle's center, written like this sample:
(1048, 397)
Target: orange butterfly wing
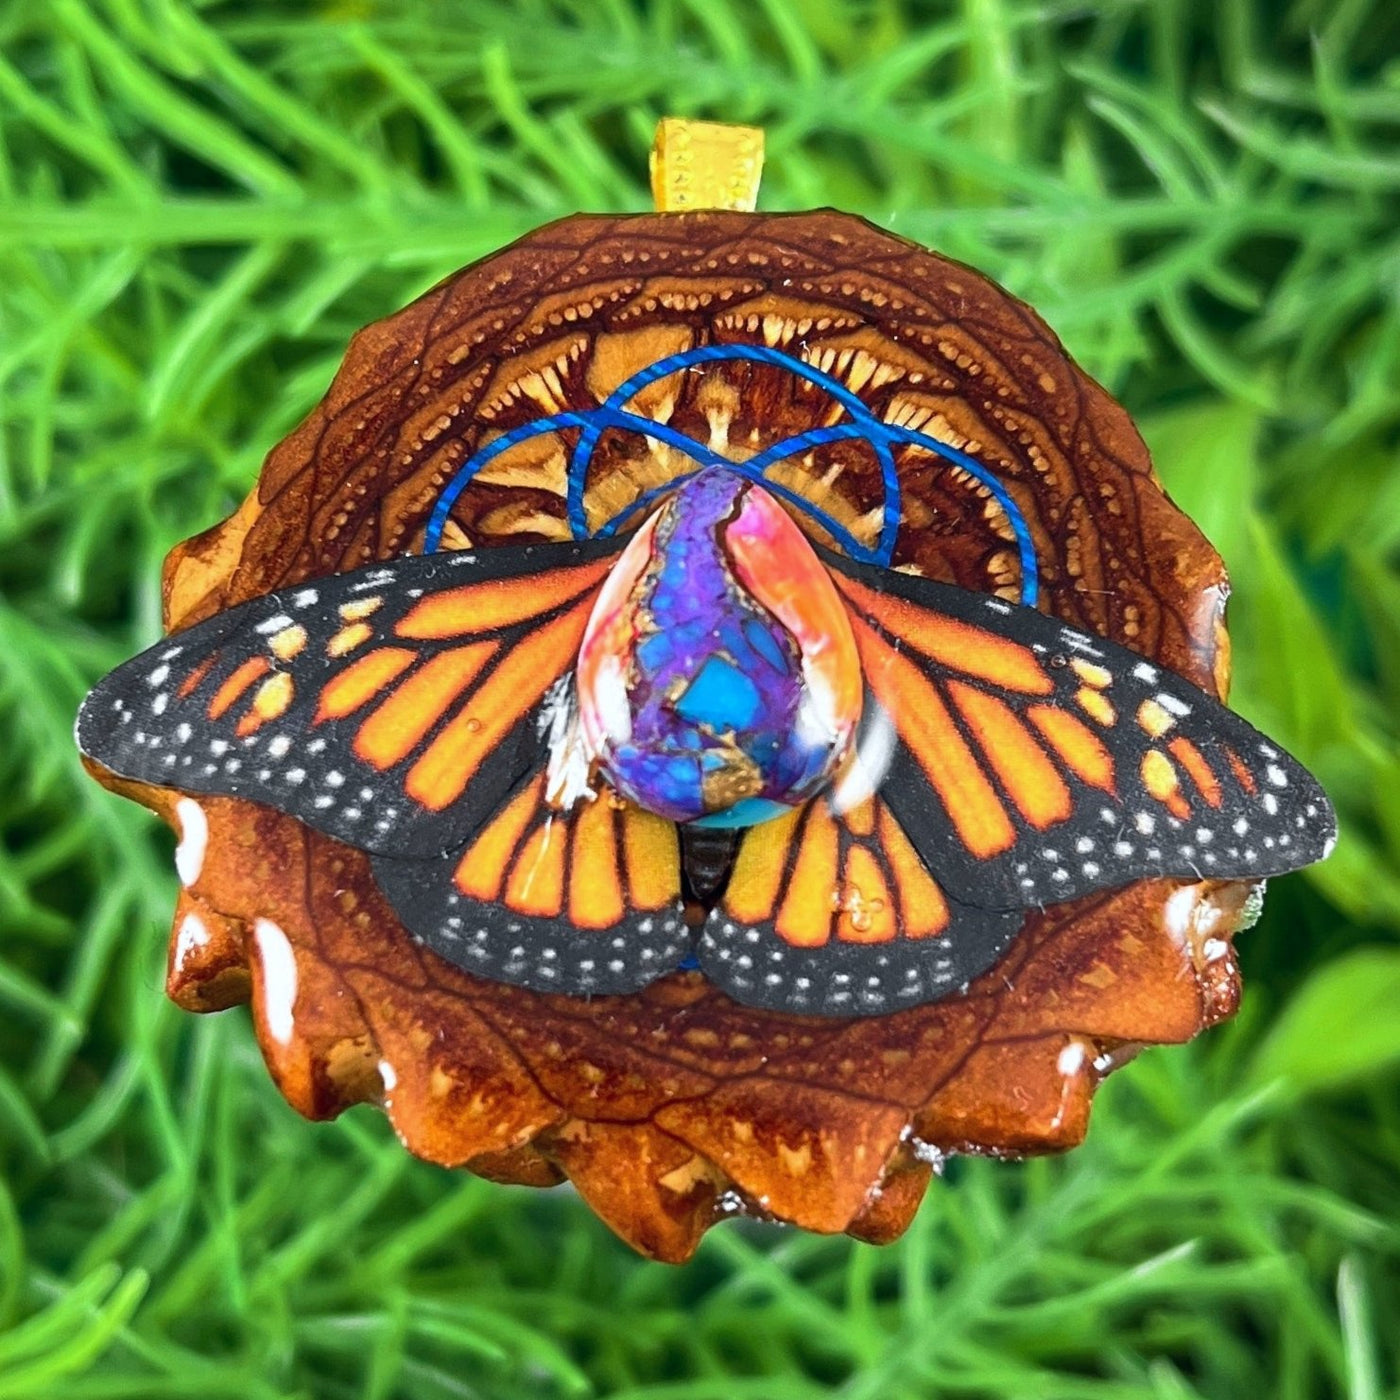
(838, 915)
(390, 707)
(1006, 761)
(1034, 763)
(586, 901)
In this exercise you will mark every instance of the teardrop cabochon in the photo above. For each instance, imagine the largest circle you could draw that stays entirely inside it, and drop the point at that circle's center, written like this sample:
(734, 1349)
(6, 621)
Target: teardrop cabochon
(718, 680)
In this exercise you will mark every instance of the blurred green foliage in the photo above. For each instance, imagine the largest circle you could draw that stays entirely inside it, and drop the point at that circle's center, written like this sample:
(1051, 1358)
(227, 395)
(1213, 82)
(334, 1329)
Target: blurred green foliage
(200, 200)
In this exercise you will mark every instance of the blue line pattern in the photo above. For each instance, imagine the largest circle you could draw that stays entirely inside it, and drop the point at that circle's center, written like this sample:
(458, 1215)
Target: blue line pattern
(862, 425)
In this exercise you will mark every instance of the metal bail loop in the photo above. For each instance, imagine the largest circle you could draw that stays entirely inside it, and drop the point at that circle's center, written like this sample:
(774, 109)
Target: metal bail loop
(705, 165)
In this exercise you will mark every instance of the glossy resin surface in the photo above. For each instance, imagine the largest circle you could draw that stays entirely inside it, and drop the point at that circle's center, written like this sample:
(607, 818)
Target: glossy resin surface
(718, 679)
(676, 1106)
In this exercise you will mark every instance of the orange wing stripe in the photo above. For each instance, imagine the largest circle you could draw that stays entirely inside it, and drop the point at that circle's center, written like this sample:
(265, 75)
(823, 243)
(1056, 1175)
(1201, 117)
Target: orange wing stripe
(858, 872)
(1201, 773)
(926, 725)
(595, 894)
(1242, 774)
(758, 870)
(441, 775)
(352, 635)
(536, 883)
(481, 608)
(805, 917)
(922, 908)
(867, 913)
(358, 684)
(191, 682)
(482, 870)
(237, 683)
(957, 645)
(270, 702)
(1096, 705)
(1159, 778)
(401, 723)
(1082, 750)
(1022, 765)
(652, 853)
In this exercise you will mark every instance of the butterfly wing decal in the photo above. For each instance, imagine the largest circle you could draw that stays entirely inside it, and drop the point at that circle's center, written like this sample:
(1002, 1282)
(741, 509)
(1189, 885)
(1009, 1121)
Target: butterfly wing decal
(586, 901)
(390, 706)
(837, 915)
(1035, 763)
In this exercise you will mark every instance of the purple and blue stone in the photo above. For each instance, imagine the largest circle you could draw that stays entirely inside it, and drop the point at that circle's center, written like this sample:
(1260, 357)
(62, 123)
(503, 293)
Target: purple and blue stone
(718, 680)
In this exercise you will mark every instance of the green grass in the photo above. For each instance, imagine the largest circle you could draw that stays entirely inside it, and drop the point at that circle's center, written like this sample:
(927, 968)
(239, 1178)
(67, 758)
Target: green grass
(200, 201)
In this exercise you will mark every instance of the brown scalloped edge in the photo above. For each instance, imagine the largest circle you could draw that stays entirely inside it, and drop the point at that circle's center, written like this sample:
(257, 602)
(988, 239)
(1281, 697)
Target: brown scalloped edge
(675, 1108)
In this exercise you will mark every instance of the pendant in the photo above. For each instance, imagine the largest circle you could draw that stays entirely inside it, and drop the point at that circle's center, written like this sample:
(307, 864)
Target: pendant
(713, 705)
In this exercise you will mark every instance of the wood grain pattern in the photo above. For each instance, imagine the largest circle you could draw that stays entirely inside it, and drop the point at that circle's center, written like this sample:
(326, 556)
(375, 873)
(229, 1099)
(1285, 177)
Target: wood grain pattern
(675, 1107)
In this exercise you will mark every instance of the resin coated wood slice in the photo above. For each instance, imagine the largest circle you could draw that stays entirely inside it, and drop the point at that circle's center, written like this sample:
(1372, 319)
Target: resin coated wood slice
(674, 1105)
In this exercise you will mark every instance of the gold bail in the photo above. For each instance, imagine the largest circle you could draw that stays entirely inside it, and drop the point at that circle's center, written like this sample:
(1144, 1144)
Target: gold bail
(705, 165)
